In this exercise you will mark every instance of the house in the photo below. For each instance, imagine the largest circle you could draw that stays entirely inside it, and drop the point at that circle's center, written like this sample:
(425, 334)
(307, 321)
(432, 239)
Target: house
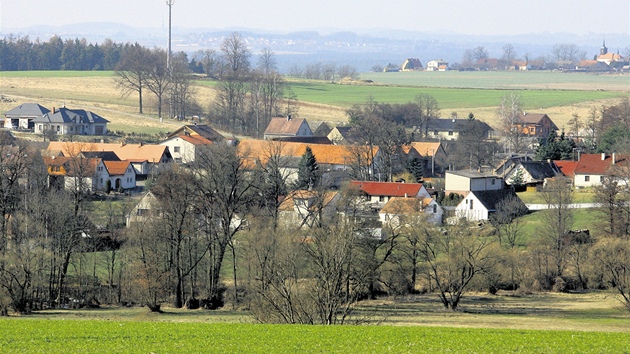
(592, 65)
(198, 130)
(22, 116)
(287, 127)
(537, 125)
(343, 135)
(145, 158)
(320, 128)
(591, 169)
(520, 65)
(431, 153)
(143, 211)
(76, 173)
(399, 209)
(308, 208)
(448, 129)
(463, 182)
(437, 65)
(379, 193)
(305, 139)
(531, 173)
(608, 58)
(71, 121)
(334, 161)
(566, 168)
(184, 148)
(479, 205)
(487, 64)
(121, 175)
(412, 64)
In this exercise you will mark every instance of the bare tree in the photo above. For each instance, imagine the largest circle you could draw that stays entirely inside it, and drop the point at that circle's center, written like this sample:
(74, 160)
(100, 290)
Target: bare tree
(480, 52)
(509, 112)
(158, 77)
(612, 256)
(558, 196)
(182, 90)
(132, 72)
(509, 53)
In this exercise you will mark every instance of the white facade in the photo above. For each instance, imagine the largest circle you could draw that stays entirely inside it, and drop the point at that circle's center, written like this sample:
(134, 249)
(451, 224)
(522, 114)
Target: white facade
(472, 209)
(181, 150)
(467, 181)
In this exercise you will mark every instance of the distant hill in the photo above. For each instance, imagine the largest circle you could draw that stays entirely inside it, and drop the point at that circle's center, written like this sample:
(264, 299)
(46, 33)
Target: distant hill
(362, 48)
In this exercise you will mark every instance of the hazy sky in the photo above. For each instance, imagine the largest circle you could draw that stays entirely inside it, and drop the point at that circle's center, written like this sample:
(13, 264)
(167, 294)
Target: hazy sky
(461, 16)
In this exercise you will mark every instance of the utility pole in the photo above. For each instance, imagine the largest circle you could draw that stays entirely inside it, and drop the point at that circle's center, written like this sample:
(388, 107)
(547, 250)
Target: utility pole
(169, 3)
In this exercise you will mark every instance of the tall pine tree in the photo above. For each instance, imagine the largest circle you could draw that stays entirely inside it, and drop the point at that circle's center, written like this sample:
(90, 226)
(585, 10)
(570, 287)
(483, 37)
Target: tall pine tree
(308, 172)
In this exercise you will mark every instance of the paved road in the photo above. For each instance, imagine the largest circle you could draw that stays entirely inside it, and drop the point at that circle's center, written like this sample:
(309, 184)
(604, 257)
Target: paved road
(573, 206)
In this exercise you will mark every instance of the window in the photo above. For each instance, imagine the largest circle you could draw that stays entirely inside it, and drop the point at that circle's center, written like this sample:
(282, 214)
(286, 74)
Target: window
(434, 208)
(436, 133)
(141, 212)
(601, 179)
(176, 149)
(450, 133)
(381, 198)
(587, 178)
(492, 181)
(471, 204)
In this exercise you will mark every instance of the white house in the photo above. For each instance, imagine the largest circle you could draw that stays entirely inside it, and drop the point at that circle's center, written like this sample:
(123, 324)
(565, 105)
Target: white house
(378, 194)
(479, 205)
(462, 182)
(592, 168)
(71, 121)
(184, 148)
(400, 210)
(437, 65)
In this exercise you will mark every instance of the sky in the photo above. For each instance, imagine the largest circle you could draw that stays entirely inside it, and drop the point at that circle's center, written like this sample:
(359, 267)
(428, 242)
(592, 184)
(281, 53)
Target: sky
(477, 17)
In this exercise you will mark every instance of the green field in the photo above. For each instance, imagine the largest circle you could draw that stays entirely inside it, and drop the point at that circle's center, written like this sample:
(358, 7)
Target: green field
(30, 336)
(549, 80)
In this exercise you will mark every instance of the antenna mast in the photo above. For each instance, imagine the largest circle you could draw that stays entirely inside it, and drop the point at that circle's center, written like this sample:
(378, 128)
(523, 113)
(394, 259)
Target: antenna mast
(169, 3)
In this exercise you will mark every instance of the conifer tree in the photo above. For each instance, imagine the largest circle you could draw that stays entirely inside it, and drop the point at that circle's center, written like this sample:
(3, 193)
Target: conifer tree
(308, 172)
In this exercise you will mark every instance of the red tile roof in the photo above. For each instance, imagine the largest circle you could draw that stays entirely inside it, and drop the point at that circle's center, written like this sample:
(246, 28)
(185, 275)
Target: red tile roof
(566, 167)
(391, 189)
(116, 168)
(195, 139)
(284, 126)
(596, 165)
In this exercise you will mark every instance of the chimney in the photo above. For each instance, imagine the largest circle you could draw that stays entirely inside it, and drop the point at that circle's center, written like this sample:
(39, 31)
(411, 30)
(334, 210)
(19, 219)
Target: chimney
(53, 110)
(613, 158)
(603, 156)
(288, 117)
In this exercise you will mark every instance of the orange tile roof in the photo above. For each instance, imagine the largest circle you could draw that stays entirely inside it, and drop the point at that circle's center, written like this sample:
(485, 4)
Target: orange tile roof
(289, 202)
(195, 139)
(116, 168)
(86, 167)
(566, 167)
(391, 189)
(261, 150)
(423, 148)
(138, 152)
(398, 205)
(284, 126)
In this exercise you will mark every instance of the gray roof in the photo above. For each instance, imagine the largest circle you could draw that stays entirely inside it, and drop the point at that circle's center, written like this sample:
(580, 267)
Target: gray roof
(490, 199)
(539, 170)
(472, 174)
(454, 125)
(103, 155)
(76, 116)
(27, 110)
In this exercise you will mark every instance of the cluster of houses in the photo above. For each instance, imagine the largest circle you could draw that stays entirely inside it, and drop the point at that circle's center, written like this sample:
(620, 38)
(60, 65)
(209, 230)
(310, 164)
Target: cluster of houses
(119, 166)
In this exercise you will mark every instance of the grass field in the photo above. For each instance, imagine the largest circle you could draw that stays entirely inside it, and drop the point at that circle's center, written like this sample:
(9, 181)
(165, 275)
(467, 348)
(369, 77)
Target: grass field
(507, 80)
(97, 91)
(29, 336)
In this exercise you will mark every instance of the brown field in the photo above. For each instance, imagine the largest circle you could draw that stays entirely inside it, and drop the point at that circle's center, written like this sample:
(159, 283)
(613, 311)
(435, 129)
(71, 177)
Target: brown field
(100, 94)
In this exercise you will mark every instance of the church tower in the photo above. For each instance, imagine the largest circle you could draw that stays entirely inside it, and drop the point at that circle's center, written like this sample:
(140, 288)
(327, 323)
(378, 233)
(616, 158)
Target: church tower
(603, 50)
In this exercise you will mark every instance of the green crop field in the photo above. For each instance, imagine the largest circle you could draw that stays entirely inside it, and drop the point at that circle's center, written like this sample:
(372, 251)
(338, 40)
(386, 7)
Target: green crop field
(448, 98)
(71, 336)
(510, 80)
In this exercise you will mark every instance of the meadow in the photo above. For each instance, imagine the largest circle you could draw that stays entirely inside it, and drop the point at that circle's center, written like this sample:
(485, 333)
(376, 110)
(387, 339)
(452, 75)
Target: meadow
(462, 93)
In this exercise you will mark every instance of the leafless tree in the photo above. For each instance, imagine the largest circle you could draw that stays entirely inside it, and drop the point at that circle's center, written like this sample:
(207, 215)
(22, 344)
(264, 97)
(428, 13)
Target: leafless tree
(611, 254)
(132, 72)
(157, 78)
(509, 53)
(509, 112)
(558, 196)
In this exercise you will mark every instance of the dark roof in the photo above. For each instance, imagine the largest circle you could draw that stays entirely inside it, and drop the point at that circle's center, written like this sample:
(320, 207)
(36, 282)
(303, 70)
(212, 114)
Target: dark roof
(539, 170)
(103, 155)
(490, 199)
(27, 110)
(65, 115)
(305, 139)
(455, 125)
(202, 130)
(319, 128)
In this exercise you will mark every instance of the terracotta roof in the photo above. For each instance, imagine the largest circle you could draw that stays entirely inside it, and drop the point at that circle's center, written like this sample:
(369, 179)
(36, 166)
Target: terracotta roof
(284, 126)
(391, 189)
(261, 150)
(566, 167)
(202, 130)
(423, 148)
(195, 139)
(137, 152)
(532, 118)
(400, 205)
(116, 168)
(594, 164)
(73, 166)
(609, 56)
(289, 202)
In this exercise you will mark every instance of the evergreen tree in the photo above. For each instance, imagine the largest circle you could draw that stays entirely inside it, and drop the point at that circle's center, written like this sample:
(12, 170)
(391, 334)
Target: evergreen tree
(308, 172)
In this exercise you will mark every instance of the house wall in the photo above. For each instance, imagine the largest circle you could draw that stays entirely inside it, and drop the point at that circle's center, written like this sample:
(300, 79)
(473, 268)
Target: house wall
(583, 181)
(181, 150)
(471, 209)
(443, 135)
(455, 183)
(127, 181)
